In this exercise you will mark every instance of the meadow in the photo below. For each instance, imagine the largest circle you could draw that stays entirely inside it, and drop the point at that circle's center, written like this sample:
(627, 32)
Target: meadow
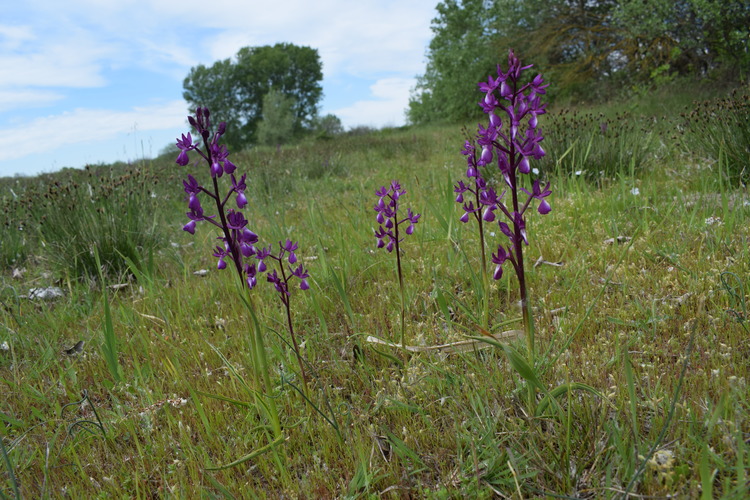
(639, 280)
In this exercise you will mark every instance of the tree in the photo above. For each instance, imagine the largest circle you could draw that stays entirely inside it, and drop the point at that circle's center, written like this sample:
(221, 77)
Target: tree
(685, 36)
(277, 126)
(461, 53)
(328, 126)
(216, 88)
(586, 48)
(234, 89)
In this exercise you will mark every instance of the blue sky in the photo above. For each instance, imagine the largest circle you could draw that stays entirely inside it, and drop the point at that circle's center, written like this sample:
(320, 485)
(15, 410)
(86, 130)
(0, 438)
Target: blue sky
(88, 81)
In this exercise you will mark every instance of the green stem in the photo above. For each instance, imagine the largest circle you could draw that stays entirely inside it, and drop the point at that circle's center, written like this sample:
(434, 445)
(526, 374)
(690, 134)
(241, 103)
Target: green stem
(260, 362)
(400, 285)
(485, 276)
(296, 346)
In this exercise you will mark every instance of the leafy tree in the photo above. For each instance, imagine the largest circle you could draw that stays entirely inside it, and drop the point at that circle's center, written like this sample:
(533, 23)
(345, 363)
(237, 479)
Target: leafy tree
(277, 126)
(234, 89)
(216, 87)
(460, 54)
(685, 36)
(328, 126)
(573, 41)
(586, 48)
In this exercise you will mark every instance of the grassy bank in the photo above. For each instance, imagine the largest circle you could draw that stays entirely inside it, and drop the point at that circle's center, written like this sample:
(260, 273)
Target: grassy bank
(640, 292)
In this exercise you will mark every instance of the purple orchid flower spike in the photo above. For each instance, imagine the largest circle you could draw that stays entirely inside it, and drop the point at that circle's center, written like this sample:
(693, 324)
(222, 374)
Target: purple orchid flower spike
(238, 240)
(387, 216)
(510, 140)
(387, 234)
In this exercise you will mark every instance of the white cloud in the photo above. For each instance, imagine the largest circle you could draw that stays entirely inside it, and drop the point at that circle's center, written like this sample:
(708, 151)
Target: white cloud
(390, 100)
(11, 99)
(86, 125)
(68, 48)
(53, 59)
(55, 67)
(48, 48)
(357, 38)
(11, 37)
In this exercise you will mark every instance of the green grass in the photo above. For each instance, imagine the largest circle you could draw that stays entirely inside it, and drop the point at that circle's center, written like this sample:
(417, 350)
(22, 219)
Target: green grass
(671, 417)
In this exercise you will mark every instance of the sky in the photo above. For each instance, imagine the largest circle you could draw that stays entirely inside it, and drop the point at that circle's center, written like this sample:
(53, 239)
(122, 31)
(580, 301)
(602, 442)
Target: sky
(92, 81)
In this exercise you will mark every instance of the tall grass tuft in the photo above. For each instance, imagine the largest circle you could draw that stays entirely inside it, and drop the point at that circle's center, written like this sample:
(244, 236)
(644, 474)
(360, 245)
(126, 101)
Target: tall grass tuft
(721, 127)
(109, 347)
(115, 213)
(594, 145)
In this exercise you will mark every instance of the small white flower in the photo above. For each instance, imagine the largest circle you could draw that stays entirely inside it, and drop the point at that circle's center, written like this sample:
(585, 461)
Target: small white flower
(4, 346)
(579, 172)
(714, 220)
(635, 191)
(535, 170)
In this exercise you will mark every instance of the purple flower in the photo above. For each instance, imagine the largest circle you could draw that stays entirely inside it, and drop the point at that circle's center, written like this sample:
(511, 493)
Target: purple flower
(185, 144)
(540, 194)
(460, 189)
(300, 273)
(251, 273)
(468, 209)
(505, 229)
(238, 187)
(247, 240)
(182, 159)
(189, 227)
(510, 139)
(229, 167)
(499, 258)
(280, 285)
(382, 235)
(221, 253)
(238, 241)
(261, 255)
(387, 216)
(290, 248)
(191, 185)
(196, 214)
(412, 218)
(235, 220)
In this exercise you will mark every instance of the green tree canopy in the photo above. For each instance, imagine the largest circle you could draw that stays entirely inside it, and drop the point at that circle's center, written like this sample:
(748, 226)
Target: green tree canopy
(234, 89)
(462, 52)
(584, 47)
(277, 125)
(687, 36)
